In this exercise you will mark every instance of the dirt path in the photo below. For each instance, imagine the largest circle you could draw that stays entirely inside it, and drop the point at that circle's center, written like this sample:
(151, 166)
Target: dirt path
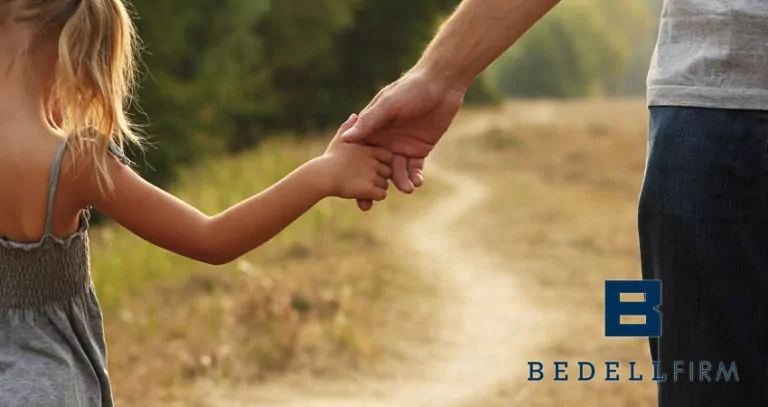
(487, 322)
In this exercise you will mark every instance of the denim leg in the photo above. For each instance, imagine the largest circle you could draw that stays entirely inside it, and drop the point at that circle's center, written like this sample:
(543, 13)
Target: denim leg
(703, 223)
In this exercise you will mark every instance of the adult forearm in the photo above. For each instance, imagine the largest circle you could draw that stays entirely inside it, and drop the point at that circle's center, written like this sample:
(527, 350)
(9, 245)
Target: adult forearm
(477, 34)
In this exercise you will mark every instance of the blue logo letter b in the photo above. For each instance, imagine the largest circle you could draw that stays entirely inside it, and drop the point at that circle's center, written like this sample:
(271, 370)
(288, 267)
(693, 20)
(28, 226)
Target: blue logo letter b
(615, 308)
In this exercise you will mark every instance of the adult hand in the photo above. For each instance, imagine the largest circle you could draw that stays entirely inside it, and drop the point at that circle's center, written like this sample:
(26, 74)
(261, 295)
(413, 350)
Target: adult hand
(408, 118)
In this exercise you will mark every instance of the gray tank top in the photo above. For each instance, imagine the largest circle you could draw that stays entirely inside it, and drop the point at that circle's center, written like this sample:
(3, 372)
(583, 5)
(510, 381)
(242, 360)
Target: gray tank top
(711, 53)
(52, 349)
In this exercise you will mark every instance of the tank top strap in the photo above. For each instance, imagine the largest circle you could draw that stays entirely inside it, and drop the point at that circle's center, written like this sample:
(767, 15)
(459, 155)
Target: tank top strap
(55, 168)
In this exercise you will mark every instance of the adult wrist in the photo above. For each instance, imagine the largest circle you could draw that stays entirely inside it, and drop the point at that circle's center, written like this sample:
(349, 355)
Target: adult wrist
(440, 80)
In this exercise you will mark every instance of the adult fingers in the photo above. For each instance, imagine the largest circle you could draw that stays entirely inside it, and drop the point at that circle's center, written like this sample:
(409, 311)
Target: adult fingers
(400, 174)
(370, 120)
(416, 171)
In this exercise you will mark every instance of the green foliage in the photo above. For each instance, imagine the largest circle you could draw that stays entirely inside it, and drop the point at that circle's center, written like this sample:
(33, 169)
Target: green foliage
(582, 48)
(642, 42)
(387, 39)
(483, 93)
(222, 75)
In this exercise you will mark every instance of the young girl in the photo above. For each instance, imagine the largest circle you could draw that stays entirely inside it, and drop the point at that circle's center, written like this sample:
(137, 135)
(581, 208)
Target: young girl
(66, 68)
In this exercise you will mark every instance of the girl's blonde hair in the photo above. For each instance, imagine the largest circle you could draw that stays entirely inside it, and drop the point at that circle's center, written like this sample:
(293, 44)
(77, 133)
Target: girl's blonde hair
(95, 72)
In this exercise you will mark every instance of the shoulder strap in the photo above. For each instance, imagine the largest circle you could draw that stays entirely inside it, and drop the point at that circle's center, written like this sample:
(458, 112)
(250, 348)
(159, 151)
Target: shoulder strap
(115, 150)
(52, 186)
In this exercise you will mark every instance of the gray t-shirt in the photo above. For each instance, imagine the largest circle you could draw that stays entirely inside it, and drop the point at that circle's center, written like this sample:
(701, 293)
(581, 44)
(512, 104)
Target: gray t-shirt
(711, 53)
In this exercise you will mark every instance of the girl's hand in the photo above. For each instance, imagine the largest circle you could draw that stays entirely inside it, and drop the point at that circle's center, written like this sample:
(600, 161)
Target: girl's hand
(355, 171)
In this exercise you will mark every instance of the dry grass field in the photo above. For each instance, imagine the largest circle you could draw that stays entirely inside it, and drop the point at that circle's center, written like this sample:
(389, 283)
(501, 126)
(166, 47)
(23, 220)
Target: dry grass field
(566, 178)
(316, 299)
(437, 299)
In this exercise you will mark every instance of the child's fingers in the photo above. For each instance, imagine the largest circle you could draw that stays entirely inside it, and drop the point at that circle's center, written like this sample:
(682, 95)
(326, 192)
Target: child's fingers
(379, 194)
(384, 171)
(365, 205)
(382, 154)
(346, 126)
(375, 194)
(381, 183)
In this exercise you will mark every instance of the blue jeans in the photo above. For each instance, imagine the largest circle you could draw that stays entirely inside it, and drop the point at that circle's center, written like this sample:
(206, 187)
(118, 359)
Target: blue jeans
(703, 220)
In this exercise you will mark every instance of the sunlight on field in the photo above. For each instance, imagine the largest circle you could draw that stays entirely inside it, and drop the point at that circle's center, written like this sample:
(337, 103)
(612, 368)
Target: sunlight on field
(308, 300)
(330, 295)
(567, 176)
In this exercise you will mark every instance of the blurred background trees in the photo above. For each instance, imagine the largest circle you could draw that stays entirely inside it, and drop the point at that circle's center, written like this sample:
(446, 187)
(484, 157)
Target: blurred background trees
(221, 76)
(583, 48)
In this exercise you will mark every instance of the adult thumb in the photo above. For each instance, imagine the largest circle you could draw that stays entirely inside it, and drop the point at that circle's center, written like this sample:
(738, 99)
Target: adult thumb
(367, 123)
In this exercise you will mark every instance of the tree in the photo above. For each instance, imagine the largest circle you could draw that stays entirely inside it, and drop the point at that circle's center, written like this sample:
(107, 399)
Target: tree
(223, 75)
(582, 48)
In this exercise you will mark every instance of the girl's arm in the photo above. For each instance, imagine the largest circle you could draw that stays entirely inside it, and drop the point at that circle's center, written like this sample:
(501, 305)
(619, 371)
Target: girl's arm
(345, 170)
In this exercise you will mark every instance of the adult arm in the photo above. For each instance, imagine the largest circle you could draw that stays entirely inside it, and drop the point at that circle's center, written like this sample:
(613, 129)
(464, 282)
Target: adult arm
(410, 116)
(475, 36)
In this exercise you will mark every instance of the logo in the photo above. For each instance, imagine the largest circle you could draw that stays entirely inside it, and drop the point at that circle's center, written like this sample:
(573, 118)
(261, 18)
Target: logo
(632, 310)
(621, 299)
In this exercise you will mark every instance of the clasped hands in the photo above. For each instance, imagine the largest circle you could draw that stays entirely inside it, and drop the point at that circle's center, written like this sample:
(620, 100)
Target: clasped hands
(408, 118)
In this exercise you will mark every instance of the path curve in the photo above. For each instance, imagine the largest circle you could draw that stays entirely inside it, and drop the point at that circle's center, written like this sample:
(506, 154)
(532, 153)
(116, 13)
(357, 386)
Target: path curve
(487, 325)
